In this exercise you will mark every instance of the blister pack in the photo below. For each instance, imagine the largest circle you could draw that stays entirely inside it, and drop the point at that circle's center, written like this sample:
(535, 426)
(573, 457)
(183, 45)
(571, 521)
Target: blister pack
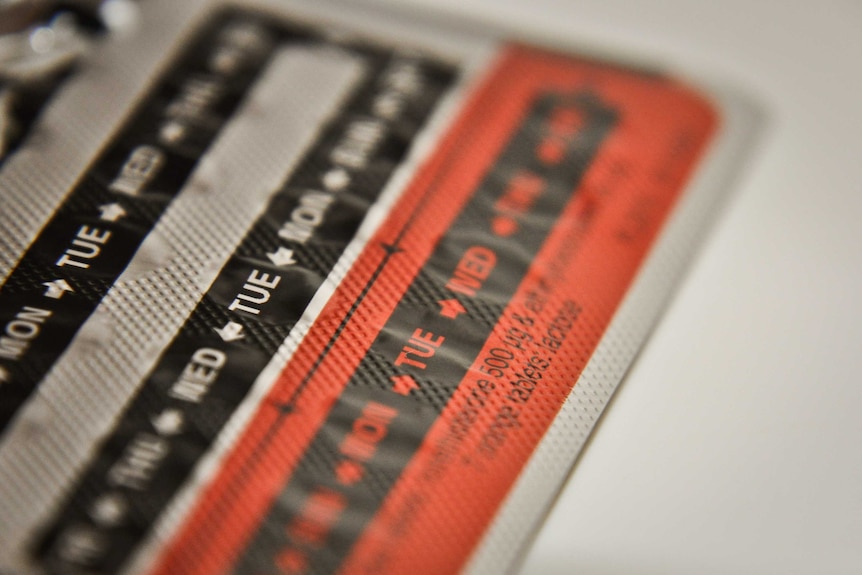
(311, 287)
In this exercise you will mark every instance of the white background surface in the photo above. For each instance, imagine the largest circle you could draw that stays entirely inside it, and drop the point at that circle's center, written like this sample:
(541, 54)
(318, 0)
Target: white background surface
(735, 444)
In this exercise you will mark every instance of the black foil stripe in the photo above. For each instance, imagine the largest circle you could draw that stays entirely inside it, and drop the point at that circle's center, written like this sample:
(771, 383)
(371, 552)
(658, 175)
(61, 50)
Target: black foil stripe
(228, 340)
(316, 483)
(97, 229)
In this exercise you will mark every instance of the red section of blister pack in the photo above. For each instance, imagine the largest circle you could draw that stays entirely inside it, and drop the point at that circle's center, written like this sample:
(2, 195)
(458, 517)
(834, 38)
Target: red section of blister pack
(406, 415)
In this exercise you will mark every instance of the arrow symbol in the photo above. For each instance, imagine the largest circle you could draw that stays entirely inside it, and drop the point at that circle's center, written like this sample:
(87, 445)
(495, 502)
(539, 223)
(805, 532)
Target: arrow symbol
(230, 332)
(111, 212)
(390, 249)
(56, 288)
(504, 226)
(169, 422)
(451, 308)
(282, 257)
(404, 384)
(348, 472)
(292, 562)
(108, 510)
(336, 179)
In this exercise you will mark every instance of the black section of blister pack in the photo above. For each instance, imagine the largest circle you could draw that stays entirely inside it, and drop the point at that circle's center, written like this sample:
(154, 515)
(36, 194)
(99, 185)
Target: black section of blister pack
(248, 312)
(97, 229)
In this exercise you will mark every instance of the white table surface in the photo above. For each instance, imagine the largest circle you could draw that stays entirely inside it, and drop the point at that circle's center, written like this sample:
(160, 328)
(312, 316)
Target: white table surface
(735, 444)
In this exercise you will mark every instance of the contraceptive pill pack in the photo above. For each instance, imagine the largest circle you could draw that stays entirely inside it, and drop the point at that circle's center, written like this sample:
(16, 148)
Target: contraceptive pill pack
(305, 287)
